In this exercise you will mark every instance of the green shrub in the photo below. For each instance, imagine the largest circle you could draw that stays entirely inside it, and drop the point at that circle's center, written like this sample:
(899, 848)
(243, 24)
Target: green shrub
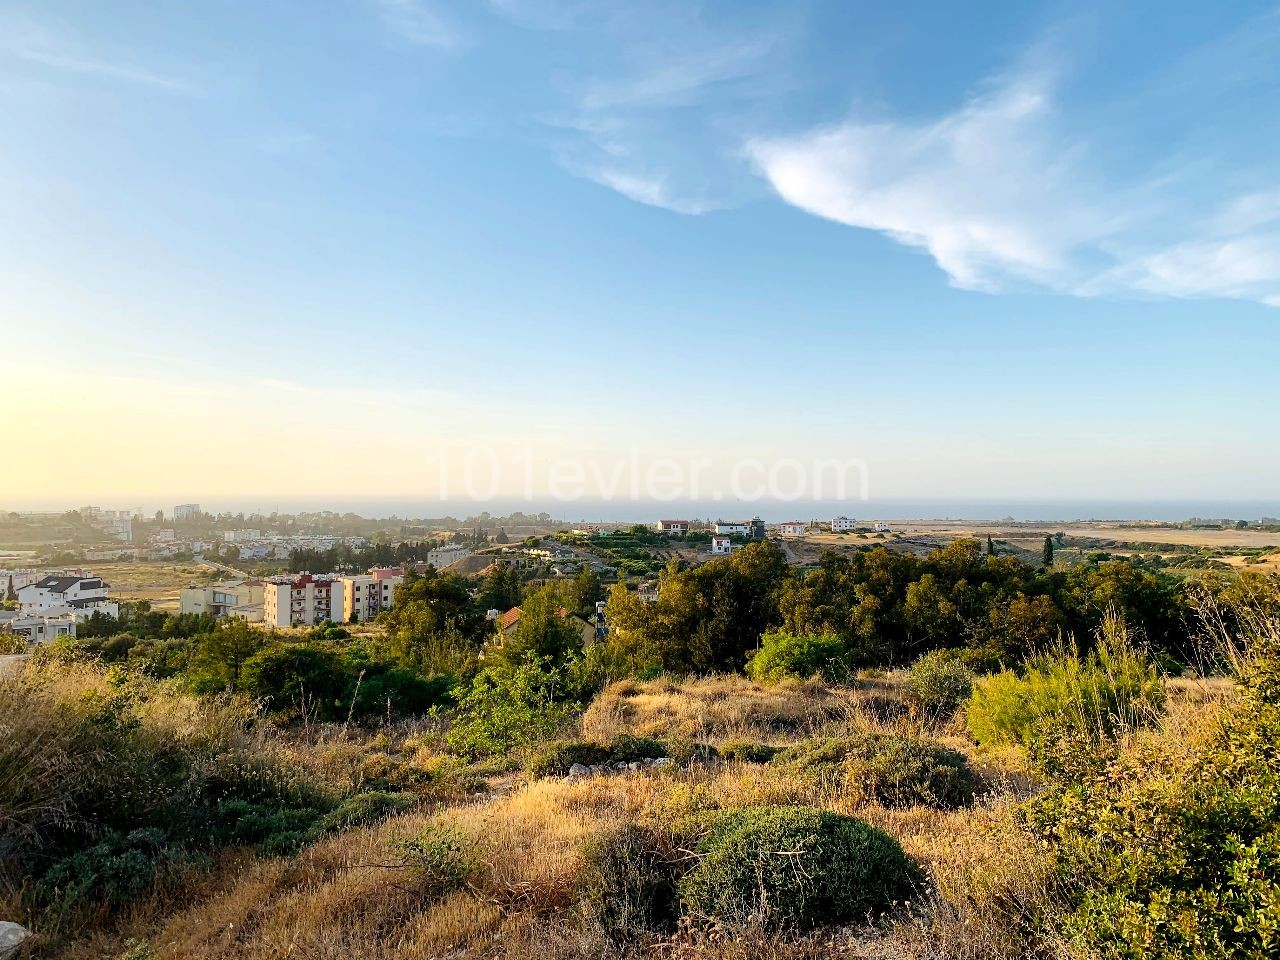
(628, 884)
(364, 808)
(555, 758)
(440, 858)
(937, 685)
(892, 770)
(747, 751)
(512, 708)
(1112, 688)
(117, 869)
(1163, 857)
(783, 655)
(793, 867)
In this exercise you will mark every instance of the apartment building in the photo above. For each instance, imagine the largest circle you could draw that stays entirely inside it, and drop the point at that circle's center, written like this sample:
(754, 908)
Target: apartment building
(843, 524)
(441, 557)
(185, 511)
(240, 598)
(302, 600)
(364, 597)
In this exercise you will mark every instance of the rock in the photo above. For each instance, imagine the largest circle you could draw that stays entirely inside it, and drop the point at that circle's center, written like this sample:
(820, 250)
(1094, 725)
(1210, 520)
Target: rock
(579, 770)
(620, 765)
(595, 769)
(633, 765)
(12, 936)
(662, 762)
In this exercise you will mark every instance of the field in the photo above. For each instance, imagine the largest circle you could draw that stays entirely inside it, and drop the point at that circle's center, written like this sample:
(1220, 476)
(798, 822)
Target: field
(158, 583)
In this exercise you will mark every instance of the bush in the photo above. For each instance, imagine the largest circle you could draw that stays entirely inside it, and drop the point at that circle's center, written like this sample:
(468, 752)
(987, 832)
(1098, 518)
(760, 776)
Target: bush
(793, 867)
(627, 884)
(937, 685)
(555, 758)
(747, 751)
(117, 869)
(783, 655)
(1110, 689)
(1163, 856)
(511, 708)
(440, 858)
(891, 770)
(364, 808)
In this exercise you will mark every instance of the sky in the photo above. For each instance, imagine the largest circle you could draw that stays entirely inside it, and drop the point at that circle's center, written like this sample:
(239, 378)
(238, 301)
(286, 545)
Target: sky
(355, 249)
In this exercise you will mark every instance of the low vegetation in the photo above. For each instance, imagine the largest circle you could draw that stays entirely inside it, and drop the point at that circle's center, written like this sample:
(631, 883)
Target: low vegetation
(182, 789)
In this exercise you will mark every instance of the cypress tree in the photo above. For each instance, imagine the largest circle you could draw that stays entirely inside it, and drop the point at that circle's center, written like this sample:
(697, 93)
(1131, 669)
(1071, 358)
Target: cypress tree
(1047, 556)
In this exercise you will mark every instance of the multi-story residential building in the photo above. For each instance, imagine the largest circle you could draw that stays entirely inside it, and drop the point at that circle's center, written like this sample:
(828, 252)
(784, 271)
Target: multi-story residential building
(364, 597)
(843, 524)
(302, 600)
(239, 598)
(673, 527)
(185, 511)
(441, 557)
(82, 596)
(793, 528)
(721, 545)
(241, 536)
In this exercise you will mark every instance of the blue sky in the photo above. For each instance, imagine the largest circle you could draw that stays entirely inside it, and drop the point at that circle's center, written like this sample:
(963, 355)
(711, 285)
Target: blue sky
(993, 251)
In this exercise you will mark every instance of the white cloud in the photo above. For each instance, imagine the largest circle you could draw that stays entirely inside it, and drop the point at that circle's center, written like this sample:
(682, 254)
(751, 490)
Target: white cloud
(1002, 195)
(653, 191)
(31, 43)
(421, 23)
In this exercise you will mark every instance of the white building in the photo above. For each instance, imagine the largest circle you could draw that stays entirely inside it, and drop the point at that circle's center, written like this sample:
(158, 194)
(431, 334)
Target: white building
(241, 536)
(721, 546)
(882, 528)
(673, 527)
(231, 598)
(843, 524)
(793, 528)
(185, 511)
(441, 557)
(38, 627)
(57, 595)
(302, 601)
(730, 528)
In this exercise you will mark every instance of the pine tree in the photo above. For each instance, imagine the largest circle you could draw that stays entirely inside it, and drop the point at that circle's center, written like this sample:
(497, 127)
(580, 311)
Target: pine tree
(1047, 555)
(991, 547)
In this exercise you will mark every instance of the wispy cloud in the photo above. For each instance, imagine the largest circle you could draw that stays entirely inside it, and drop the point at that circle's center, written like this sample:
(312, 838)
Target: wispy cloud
(32, 43)
(655, 126)
(422, 23)
(1004, 192)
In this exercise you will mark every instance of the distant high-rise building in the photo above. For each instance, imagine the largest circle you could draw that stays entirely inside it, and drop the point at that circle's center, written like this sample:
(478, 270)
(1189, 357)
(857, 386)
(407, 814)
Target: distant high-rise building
(185, 511)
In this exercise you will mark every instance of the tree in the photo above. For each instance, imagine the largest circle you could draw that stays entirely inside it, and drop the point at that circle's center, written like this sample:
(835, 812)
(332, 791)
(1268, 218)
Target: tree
(544, 632)
(991, 547)
(587, 589)
(221, 655)
(501, 537)
(1047, 554)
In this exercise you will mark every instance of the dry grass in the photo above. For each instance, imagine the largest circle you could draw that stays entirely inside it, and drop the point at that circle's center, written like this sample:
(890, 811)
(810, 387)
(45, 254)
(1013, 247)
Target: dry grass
(728, 706)
(357, 895)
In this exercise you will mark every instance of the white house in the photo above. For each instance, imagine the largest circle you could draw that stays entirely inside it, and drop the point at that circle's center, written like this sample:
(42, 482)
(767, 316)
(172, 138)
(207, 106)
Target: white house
(441, 557)
(730, 528)
(54, 594)
(721, 545)
(843, 524)
(882, 528)
(673, 527)
(38, 627)
(793, 528)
